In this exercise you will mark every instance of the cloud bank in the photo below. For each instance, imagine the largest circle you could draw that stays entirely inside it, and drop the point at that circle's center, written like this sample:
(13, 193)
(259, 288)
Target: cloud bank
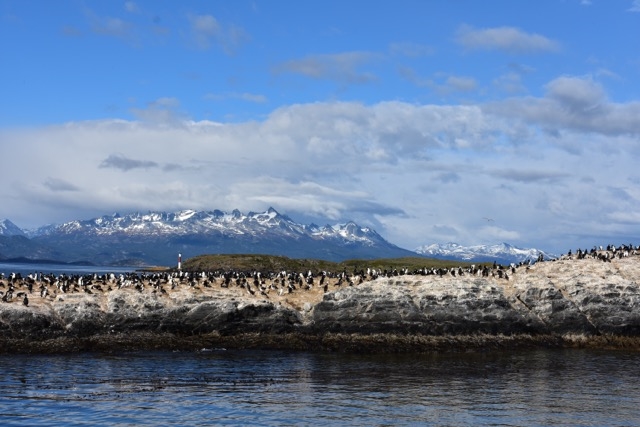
(508, 39)
(416, 173)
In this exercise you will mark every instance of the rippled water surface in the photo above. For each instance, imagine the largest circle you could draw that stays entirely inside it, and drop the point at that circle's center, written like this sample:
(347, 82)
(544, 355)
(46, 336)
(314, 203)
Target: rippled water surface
(548, 387)
(7, 268)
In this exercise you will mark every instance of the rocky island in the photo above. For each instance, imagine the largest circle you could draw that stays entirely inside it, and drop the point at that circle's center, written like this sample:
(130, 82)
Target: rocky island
(576, 301)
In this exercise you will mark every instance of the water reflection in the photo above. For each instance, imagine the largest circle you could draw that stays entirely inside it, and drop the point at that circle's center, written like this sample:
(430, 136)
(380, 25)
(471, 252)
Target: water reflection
(267, 388)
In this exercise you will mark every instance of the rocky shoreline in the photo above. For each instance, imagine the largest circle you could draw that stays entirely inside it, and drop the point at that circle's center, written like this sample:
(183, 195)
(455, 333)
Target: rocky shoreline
(565, 303)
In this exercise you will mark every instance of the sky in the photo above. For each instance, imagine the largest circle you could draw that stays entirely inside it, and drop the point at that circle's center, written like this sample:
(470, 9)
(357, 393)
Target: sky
(475, 122)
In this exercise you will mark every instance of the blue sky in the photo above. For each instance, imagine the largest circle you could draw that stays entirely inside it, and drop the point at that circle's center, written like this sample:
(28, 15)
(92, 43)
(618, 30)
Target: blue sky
(431, 121)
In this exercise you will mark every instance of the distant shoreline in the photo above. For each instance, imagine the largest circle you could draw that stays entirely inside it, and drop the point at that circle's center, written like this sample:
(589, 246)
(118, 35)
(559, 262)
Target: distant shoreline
(23, 260)
(16, 265)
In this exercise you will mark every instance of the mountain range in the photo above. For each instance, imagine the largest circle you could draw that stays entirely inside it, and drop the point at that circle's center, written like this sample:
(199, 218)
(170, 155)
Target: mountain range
(156, 238)
(503, 253)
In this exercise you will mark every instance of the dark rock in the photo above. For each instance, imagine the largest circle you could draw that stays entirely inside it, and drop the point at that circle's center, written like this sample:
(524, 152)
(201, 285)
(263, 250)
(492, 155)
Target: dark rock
(559, 303)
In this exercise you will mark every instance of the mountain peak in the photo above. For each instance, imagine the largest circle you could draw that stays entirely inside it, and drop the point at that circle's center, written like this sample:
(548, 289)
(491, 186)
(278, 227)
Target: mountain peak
(8, 228)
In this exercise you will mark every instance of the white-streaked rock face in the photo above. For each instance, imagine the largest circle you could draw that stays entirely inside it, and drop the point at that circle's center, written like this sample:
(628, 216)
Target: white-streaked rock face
(585, 297)
(568, 296)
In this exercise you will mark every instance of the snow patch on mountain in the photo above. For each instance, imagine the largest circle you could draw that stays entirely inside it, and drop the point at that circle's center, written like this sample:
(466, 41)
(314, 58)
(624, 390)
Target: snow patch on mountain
(195, 222)
(502, 252)
(8, 228)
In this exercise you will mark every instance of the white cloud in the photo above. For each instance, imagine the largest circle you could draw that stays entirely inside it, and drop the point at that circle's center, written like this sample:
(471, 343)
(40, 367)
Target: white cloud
(508, 39)
(443, 84)
(206, 25)
(166, 102)
(341, 67)
(131, 7)
(309, 197)
(635, 6)
(119, 161)
(244, 96)
(55, 184)
(625, 217)
(417, 173)
(454, 84)
(412, 50)
(497, 234)
(576, 93)
(114, 27)
(206, 31)
(573, 104)
(461, 84)
(161, 111)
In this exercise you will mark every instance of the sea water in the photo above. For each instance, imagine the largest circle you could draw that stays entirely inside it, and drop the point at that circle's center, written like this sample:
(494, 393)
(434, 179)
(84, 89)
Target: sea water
(233, 387)
(25, 269)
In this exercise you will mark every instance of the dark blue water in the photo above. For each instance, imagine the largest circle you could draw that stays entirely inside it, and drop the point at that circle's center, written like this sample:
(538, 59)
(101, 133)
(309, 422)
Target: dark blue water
(57, 269)
(535, 388)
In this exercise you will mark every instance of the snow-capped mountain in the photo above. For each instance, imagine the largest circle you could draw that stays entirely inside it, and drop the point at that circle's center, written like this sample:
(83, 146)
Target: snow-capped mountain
(15, 244)
(503, 253)
(157, 237)
(189, 222)
(7, 228)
